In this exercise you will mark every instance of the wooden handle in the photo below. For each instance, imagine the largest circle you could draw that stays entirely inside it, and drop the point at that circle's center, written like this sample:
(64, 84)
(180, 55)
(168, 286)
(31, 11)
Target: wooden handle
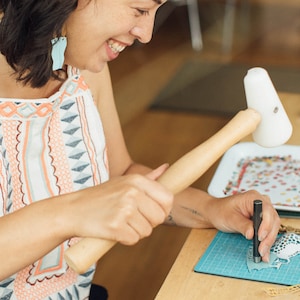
(178, 176)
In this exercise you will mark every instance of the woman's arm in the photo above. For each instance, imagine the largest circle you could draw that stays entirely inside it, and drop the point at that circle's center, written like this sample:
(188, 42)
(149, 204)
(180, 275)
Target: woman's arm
(29, 233)
(124, 209)
(192, 208)
(196, 209)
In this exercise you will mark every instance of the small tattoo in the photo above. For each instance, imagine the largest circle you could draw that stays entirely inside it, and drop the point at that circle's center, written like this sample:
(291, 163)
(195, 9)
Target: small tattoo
(171, 219)
(191, 210)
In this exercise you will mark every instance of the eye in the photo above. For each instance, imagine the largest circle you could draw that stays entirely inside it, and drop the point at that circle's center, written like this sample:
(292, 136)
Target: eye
(142, 12)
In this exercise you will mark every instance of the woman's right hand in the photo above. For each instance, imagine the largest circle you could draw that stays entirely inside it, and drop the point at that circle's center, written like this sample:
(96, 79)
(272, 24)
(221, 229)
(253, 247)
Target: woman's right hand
(124, 209)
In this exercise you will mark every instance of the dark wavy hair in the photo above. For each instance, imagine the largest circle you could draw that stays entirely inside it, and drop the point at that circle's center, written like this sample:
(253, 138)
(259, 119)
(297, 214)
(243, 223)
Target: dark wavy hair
(26, 30)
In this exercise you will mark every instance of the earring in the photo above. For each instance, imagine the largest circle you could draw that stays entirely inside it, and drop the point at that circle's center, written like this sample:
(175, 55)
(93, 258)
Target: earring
(58, 52)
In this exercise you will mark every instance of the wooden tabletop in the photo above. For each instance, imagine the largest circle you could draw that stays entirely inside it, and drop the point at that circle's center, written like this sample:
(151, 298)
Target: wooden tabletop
(183, 283)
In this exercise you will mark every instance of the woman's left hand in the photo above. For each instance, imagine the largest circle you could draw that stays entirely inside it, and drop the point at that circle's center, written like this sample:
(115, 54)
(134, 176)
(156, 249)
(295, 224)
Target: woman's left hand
(234, 213)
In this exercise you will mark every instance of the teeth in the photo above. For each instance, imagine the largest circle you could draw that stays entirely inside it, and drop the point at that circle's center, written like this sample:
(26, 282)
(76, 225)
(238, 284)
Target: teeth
(115, 47)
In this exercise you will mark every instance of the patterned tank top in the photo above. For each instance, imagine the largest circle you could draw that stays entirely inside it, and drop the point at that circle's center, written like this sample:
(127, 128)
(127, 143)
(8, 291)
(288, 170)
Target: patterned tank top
(49, 147)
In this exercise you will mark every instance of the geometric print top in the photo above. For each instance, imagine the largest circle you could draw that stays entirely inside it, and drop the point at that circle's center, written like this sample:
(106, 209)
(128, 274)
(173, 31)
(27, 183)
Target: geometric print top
(49, 147)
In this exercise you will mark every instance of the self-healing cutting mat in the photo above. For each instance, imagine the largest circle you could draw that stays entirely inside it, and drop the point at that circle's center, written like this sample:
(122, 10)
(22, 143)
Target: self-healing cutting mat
(226, 256)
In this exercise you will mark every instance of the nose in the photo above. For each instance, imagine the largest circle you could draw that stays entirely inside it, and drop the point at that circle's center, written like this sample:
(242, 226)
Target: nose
(143, 30)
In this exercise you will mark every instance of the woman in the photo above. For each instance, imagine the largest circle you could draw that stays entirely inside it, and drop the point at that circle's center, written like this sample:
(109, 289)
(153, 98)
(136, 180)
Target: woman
(55, 147)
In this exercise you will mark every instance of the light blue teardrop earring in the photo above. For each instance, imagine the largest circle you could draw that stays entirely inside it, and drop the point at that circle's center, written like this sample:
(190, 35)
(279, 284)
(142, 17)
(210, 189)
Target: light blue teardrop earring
(58, 52)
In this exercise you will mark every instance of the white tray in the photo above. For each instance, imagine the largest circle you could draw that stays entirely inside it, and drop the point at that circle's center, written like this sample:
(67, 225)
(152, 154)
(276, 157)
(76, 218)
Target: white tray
(271, 171)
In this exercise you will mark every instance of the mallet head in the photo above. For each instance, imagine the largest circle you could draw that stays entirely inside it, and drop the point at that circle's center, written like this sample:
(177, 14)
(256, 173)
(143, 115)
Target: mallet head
(275, 127)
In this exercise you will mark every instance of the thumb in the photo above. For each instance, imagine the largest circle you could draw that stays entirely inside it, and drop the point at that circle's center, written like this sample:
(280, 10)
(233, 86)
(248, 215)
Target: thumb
(246, 228)
(156, 173)
(249, 232)
(238, 223)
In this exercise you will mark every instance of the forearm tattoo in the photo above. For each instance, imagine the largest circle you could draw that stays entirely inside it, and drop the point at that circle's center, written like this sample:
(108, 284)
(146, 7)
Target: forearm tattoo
(191, 210)
(170, 219)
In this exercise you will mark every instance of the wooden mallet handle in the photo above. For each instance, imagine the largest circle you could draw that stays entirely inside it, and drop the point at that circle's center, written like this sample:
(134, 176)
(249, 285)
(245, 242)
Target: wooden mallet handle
(177, 177)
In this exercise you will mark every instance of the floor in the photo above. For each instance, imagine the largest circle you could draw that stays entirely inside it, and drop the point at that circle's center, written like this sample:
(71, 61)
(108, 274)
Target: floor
(264, 31)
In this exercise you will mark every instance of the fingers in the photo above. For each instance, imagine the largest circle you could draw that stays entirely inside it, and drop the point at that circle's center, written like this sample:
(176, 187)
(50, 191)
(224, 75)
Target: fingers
(155, 174)
(148, 217)
(268, 229)
(138, 228)
(235, 216)
(144, 204)
(141, 220)
(160, 192)
(124, 209)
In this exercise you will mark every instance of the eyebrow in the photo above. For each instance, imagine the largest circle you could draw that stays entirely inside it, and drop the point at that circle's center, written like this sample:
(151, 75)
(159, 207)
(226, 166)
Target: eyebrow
(157, 1)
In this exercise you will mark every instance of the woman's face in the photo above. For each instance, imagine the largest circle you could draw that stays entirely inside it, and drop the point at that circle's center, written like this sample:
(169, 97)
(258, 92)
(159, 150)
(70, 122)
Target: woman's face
(98, 30)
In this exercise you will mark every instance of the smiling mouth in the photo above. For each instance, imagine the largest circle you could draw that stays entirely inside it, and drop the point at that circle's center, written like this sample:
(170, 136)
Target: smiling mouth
(115, 46)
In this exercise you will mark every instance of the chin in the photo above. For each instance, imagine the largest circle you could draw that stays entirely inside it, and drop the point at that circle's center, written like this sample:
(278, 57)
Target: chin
(90, 66)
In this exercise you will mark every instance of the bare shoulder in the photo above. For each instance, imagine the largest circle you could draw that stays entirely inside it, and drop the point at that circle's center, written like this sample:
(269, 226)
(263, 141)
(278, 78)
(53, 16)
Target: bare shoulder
(99, 83)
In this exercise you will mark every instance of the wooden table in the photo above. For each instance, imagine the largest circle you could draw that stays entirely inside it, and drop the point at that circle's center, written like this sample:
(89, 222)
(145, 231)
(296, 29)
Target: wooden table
(183, 283)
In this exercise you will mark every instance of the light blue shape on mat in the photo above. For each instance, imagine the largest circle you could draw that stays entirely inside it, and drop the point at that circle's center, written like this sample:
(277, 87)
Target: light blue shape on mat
(226, 256)
(274, 262)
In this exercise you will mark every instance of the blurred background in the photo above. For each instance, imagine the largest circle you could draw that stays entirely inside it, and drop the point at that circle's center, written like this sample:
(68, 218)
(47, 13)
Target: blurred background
(251, 32)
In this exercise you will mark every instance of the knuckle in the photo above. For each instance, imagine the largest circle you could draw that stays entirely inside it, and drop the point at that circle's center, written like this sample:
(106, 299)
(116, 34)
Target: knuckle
(128, 204)
(255, 194)
(130, 192)
(115, 226)
(135, 179)
(128, 210)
